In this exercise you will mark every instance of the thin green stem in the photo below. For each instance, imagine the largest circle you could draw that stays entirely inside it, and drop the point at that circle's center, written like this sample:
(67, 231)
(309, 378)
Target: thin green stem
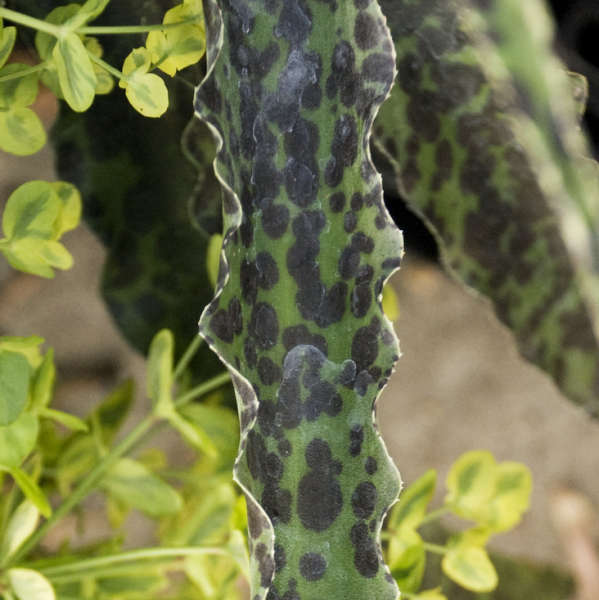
(187, 356)
(108, 67)
(27, 21)
(435, 548)
(96, 474)
(91, 564)
(203, 388)
(86, 485)
(24, 72)
(124, 29)
(434, 515)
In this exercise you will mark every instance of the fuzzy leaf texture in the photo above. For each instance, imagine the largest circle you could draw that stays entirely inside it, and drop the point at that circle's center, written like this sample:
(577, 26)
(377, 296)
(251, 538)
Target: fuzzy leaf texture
(487, 149)
(291, 92)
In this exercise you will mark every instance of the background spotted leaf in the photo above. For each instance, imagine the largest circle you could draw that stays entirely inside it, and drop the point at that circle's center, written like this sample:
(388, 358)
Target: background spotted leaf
(487, 149)
(305, 221)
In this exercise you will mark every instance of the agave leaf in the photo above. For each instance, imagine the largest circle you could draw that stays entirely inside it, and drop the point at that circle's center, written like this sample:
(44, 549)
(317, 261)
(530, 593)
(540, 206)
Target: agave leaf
(486, 148)
(297, 319)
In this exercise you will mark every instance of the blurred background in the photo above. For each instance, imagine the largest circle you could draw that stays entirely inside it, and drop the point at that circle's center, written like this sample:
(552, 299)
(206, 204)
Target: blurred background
(460, 384)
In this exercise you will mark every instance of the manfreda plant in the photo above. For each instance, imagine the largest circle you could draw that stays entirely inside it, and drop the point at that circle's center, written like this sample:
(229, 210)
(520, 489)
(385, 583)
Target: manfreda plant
(290, 89)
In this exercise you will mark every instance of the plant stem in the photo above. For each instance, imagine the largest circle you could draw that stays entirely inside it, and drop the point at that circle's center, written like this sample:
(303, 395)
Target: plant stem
(102, 63)
(96, 474)
(86, 485)
(187, 356)
(435, 548)
(27, 21)
(91, 564)
(434, 515)
(202, 389)
(123, 29)
(24, 72)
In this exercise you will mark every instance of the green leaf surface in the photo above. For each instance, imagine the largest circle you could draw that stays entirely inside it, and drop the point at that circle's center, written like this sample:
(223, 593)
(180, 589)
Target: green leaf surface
(76, 73)
(19, 92)
(178, 47)
(43, 382)
(133, 484)
(45, 42)
(487, 148)
(27, 346)
(69, 421)
(471, 483)
(148, 95)
(31, 490)
(70, 213)
(113, 411)
(407, 560)
(160, 372)
(90, 10)
(8, 35)
(513, 486)
(14, 385)
(414, 500)
(30, 585)
(297, 316)
(17, 440)
(31, 211)
(21, 131)
(21, 525)
(193, 433)
(471, 568)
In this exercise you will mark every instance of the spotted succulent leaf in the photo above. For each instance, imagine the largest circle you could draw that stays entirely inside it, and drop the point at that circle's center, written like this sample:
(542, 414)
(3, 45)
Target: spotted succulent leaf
(291, 92)
(486, 148)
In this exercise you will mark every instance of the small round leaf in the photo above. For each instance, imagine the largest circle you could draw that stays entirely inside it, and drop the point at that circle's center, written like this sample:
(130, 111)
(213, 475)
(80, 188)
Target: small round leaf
(470, 567)
(21, 131)
(28, 584)
(76, 73)
(148, 95)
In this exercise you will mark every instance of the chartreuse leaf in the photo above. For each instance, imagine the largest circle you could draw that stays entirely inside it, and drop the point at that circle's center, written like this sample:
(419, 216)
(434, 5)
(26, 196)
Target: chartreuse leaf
(213, 257)
(179, 47)
(21, 525)
(105, 82)
(113, 410)
(488, 149)
(70, 421)
(160, 372)
(88, 12)
(21, 131)
(28, 584)
(407, 559)
(470, 567)
(494, 495)
(76, 74)
(146, 92)
(513, 486)
(27, 346)
(14, 385)
(411, 508)
(470, 484)
(17, 440)
(35, 216)
(134, 484)
(43, 382)
(297, 319)
(8, 35)
(31, 490)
